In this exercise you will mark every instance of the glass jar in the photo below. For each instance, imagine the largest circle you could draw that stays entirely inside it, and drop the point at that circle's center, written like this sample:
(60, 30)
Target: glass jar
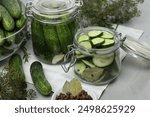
(11, 39)
(54, 23)
(98, 65)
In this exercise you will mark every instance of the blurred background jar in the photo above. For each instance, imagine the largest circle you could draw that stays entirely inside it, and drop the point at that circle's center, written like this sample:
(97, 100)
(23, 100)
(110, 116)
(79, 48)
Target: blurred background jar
(53, 25)
(13, 27)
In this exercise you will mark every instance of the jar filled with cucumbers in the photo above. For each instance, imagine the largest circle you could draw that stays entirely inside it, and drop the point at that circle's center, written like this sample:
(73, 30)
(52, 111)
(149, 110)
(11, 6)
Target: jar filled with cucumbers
(97, 55)
(53, 26)
(12, 27)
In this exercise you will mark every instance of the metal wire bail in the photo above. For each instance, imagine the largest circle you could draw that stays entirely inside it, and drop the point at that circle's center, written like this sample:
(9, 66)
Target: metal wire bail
(69, 56)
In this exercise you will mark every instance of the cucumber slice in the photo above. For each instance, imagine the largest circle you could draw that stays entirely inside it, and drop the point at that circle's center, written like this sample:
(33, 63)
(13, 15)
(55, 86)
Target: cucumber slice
(80, 56)
(94, 33)
(86, 44)
(104, 60)
(96, 42)
(92, 74)
(78, 52)
(89, 64)
(79, 67)
(83, 38)
(108, 43)
(57, 58)
(107, 35)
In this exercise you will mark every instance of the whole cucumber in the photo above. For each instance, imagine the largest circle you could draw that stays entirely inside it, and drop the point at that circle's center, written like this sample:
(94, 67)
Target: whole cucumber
(7, 21)
(20, 22)
(39, 79)
(13, 7)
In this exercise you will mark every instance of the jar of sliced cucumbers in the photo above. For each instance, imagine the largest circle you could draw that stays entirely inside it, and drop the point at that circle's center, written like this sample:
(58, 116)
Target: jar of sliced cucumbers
(96, 51)
(53, 26)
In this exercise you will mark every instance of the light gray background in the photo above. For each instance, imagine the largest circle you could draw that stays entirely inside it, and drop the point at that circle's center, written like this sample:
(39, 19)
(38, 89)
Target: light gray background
(134, 80)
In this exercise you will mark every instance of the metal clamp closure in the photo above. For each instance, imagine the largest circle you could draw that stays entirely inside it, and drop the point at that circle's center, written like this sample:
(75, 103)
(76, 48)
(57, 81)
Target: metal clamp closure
(70, 56)
(79, 3)
(28, 11)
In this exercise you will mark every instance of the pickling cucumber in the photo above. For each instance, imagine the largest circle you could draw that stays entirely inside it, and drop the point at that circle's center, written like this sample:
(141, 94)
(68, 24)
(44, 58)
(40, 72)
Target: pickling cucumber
(83, 38)
(89, 64)
(79, 67)
(97, 42)
(103, 60)
(107, 35)
(38, 77)
(86, 44)
(10, 39)
(65, 36)
(94, 33)
(51, 39)
(108, 43)
(5, 51)
(20, 22)
(92, 74)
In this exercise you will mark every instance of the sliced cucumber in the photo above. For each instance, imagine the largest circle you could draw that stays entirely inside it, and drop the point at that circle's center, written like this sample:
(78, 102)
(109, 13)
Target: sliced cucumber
(80, 56)
(57, 58)
(89, 64)
(107, 35)
(92, 74)
(104, 60)
(78, 52)
(86, 44)
(83, 38)
(96, 42)
(108, 43)
(94, 33)
(79, 67)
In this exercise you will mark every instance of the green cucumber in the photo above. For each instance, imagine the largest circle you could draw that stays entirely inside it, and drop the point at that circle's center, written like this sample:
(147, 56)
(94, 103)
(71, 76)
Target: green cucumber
(10, 39)
(94, 33)
(108, 43)
(2, 36)
(107, 35)
(58, 58)
(38, 77)
(92, 74)
(73, 26)
(13, 7)
(79, 67)
(51, 39)
(21, 22)
(15, 64)
(7, 21)
(65, 36)
(103, 60)
(89, 64)
(83, 37)
(38, 40)
(86, 44)
(96, 42)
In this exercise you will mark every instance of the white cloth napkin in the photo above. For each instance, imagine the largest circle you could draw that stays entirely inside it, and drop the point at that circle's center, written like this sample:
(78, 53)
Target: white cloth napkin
(57, 77)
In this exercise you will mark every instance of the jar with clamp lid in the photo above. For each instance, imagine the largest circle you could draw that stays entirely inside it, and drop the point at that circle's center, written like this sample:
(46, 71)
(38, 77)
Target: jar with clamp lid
(53, 25)
(96, 57)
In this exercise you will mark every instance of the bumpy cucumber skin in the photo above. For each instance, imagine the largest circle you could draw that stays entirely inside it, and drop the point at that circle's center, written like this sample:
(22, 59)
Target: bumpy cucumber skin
(64, 35)
(15, 64)
(51, 39)
(13, 7)
(2, 36)
(7, 21)
(20, 22)
(39, 79)
(9, 41)
(38, 38)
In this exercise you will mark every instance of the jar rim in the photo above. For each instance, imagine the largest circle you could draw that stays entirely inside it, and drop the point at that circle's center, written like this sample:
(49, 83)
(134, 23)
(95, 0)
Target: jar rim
(94, 51)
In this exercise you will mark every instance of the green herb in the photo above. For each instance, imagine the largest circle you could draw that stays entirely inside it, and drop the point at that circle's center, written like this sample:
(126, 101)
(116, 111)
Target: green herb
(11, 89)
(105, 12)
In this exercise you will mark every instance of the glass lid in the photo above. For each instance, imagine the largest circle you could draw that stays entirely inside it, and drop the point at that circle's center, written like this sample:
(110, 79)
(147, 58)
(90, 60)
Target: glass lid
(136, 48)
(53, 6)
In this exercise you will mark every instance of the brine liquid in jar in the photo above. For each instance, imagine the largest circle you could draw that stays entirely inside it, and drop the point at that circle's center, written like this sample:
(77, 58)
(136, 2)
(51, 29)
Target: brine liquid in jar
(53, 26)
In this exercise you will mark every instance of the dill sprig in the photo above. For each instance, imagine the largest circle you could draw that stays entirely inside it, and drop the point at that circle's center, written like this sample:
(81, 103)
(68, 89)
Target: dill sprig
(106, 12)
